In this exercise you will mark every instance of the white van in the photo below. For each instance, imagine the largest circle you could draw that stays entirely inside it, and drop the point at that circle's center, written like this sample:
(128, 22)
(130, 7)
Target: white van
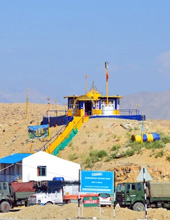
(46, 198)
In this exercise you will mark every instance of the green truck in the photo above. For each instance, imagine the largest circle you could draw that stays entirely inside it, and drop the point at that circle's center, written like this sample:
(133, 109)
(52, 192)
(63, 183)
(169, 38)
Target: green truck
(14, 194)
(132, 195)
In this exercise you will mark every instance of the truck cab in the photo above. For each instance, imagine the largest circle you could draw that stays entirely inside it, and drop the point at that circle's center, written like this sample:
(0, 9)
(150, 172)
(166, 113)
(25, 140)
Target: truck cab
(5, 197)
(14, 194)
(47, 192)
(131, 195)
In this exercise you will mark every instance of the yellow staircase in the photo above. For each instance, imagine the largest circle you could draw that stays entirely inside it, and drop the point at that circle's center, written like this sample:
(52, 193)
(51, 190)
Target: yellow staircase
(75, 124)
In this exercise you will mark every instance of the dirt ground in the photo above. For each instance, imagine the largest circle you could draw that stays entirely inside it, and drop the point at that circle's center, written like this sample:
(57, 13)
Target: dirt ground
(95, 134)
(71, 211)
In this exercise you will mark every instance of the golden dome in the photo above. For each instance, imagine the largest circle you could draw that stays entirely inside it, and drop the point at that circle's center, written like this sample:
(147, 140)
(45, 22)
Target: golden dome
(94, 94)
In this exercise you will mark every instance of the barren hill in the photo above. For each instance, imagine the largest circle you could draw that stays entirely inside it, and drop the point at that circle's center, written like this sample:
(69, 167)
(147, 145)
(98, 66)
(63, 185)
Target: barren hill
(101, 144)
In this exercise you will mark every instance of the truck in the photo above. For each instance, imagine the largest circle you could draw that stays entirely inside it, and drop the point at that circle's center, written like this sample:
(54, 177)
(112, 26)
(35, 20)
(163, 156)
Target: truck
(46, 193)
(56, 192)
(14, 194)
(132, 195)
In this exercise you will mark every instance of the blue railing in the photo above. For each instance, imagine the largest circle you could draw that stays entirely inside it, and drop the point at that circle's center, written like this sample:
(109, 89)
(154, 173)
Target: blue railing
(129, 112)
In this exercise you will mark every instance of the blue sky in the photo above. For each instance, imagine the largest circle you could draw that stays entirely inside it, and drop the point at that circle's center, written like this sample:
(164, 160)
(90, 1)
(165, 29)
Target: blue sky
(51, 45)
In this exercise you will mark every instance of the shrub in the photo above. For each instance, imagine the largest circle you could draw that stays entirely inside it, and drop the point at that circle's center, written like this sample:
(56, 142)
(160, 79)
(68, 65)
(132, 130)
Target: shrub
(115, 147)
(128, 153)
(88, 163)
(94, 156)
(165, 139)
(108, 158)
(154, 145)
(114, 155)
(159, 154)
(102, 153)
(168, 158)
(111, 157)
(96, 153)
(73, 156)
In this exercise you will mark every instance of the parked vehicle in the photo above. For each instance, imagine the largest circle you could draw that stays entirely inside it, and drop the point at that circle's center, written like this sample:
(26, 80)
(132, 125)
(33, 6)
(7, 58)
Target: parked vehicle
(14, 194)
(47, 192)
(46, 198)
(105, 199)
(132, 195)
(56, 191)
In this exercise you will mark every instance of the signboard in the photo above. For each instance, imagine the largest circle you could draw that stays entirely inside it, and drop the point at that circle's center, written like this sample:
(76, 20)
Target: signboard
(38, 131)
(141, 175)
(97, 181)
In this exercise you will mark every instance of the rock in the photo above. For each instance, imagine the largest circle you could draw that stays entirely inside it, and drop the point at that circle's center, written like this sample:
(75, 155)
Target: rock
(125, 126)
(14, 139)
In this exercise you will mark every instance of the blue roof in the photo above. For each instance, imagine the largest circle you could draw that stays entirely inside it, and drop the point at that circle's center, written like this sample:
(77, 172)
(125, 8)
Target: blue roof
(14, 158)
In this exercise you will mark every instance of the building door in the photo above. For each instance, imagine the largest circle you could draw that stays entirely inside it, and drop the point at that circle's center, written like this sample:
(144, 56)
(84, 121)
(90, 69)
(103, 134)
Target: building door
(88, 108)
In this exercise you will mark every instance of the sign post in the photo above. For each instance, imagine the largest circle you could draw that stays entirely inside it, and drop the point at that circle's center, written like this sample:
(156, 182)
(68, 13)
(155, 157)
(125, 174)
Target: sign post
(97, 181)
(114, 197)
(144, 176)
(144, 184)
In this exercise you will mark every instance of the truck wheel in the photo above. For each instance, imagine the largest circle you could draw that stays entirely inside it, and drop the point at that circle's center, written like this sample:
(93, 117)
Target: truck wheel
(48, 203)
(5, 206)
(139, 207)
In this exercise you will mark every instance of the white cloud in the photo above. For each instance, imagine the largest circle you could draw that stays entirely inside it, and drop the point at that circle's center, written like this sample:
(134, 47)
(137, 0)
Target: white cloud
(163, 61)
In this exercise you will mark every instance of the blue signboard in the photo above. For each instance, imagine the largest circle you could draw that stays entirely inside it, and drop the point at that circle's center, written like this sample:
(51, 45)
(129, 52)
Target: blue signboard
(97, 181)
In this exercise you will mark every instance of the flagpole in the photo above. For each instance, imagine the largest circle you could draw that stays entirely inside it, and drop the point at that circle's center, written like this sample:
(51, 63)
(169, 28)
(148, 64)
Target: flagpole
(107, 77)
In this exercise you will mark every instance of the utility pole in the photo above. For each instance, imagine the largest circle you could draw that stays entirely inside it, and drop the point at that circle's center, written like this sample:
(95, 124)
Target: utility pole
(27, 104)
(49, 105)
(86, 82)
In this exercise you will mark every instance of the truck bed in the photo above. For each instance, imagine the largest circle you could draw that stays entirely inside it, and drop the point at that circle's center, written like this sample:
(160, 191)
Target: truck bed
(23, 186)
(160, 189)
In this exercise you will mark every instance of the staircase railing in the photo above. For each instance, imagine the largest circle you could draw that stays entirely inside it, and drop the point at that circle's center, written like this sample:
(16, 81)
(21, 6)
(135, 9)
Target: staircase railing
(81, 120)
(76, 125)
(54, 137)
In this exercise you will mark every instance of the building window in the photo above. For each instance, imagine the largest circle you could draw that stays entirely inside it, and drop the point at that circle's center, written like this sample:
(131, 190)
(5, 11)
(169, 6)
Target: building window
(41, 171)
(133, 186)
(139, 186)
(4, 186)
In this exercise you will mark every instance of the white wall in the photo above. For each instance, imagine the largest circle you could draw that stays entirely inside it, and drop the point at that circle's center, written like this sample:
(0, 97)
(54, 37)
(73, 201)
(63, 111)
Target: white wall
(56, 167)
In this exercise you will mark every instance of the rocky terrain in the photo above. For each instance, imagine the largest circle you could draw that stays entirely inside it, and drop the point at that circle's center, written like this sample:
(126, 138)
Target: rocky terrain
(100, 144)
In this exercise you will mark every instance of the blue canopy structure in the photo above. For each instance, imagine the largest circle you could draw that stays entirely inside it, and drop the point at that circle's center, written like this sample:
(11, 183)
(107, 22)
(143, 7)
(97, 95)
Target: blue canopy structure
(14, 158)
